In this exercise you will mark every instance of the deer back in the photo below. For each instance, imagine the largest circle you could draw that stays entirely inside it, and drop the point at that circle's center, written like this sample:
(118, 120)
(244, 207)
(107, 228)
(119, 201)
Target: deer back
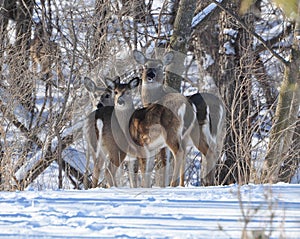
(148, 124)
(216, 112)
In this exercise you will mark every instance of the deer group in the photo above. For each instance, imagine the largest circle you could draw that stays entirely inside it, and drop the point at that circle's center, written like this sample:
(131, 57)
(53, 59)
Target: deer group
(167, 119)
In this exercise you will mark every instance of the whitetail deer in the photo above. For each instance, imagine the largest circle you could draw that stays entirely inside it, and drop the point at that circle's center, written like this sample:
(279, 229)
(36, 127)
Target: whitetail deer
(209, 133)
(167, 123)
(99, 96)
(152, 92)
(45, 52)
(99, 136)
(211, 122)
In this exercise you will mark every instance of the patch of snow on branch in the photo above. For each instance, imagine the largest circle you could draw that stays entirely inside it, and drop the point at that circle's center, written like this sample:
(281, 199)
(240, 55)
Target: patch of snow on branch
(201, 15)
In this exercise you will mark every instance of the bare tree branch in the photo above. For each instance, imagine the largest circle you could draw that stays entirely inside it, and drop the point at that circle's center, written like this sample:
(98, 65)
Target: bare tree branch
(258, 37)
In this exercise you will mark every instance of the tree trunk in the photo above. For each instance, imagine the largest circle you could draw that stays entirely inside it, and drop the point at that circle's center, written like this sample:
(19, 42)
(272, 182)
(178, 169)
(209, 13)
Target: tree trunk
(21, 82)
(179, 42)
(7, 11)
(227, 88)
(236, 69)
(100, 31)
(206, 43)
(286, 114)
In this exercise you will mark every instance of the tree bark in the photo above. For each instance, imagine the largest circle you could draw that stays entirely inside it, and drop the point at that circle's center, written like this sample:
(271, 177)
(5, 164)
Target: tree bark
(100, 31)
(286, 115)
(234, 82)
(179, 42)
(206, 43)
(21, 84)
(227, 88)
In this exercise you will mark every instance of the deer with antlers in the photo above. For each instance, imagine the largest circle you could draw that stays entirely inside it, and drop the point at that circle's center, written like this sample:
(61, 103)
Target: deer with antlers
(209, 133)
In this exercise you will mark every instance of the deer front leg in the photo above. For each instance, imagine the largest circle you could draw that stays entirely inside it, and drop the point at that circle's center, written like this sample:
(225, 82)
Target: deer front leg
(99, 160)
(110, 175)
(133, 167)
(148, 171)
(146, 167)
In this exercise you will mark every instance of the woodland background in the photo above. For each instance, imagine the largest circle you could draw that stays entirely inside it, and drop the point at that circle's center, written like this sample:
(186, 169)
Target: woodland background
(247, 52)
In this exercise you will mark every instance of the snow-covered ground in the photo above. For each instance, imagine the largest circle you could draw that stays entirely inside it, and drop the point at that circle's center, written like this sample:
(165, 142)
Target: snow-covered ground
(193, 212)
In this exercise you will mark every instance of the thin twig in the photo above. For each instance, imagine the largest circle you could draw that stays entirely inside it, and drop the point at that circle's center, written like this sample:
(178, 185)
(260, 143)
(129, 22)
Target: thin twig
(258, 37)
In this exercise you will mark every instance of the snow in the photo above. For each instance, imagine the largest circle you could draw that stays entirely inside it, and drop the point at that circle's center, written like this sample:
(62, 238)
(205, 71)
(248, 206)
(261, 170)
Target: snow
(229, 49)
(192, 212)
(201, 15)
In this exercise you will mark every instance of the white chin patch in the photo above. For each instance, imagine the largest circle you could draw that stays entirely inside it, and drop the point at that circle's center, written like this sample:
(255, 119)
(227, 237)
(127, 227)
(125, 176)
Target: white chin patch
(150, 80)
(152, 85)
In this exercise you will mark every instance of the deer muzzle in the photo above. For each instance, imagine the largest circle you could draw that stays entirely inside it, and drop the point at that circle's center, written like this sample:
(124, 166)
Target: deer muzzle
(151, 73)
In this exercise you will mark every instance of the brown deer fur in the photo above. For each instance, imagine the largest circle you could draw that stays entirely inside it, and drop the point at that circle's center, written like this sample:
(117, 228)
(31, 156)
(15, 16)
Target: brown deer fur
(209, 133)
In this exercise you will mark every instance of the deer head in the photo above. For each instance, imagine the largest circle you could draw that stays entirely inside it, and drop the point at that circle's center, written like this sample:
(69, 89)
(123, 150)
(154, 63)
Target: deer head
(122, 92)
(153, 68)
(99, 96)
(153, 75)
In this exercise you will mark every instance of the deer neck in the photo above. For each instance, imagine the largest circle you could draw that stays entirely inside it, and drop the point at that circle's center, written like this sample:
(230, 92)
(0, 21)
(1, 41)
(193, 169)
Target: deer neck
(123, 117)
(124, 139)
(152, 93)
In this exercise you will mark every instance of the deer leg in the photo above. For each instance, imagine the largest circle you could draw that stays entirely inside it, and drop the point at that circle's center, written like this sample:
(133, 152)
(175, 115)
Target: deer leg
(46, 69)
(169, 167)
(34, 67)
(146, 166)
(110, 175)
(86, 183)
(208, 167)
(148, 171)
(59, 72)
(99, 160)
(178, 154)
(161, 163)
(182, 169)
(95, 175)
(116, 158)
(133, 166)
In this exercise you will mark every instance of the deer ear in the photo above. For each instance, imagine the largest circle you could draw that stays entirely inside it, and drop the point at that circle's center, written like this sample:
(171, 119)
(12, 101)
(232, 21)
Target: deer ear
(134, 82)
(168, 58)
(89, 84)
(117, 79)
(109, 83)
(139, 57)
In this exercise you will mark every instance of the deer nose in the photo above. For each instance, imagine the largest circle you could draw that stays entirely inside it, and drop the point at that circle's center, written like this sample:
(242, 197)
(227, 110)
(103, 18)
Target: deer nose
(151, 73)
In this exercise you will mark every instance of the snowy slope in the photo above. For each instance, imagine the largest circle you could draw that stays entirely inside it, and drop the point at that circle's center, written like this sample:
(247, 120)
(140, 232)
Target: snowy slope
(212, 212)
